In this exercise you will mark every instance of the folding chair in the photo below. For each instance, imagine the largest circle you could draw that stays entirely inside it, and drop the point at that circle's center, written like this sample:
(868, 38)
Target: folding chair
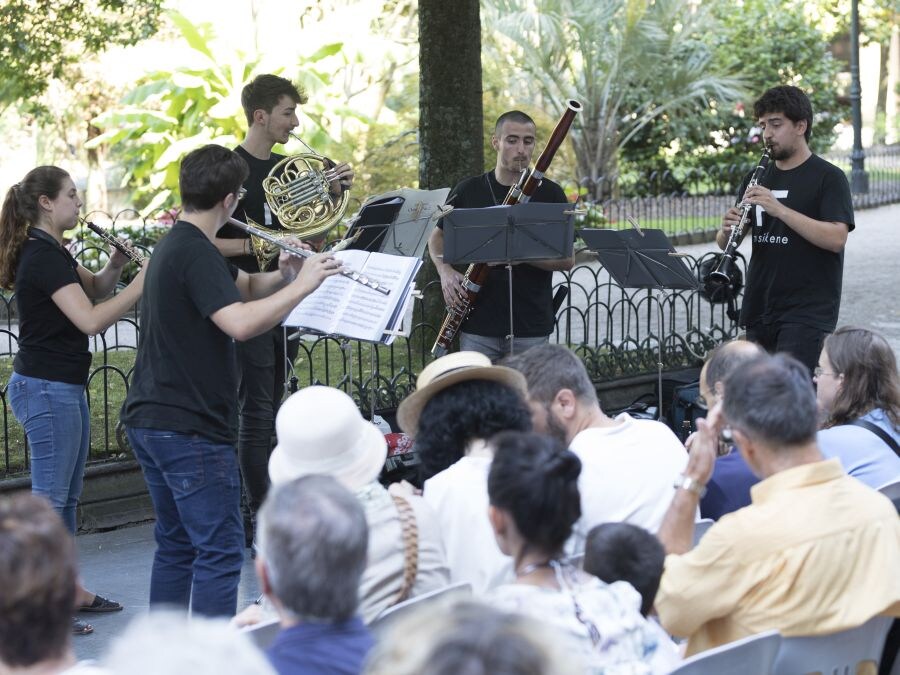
(749, 656)
(833, 654)
(407, 607)
(700, 528)
(892, 492)
(262, 634)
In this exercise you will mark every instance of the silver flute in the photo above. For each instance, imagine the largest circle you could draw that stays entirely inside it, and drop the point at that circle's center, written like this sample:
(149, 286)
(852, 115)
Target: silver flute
(303, 253)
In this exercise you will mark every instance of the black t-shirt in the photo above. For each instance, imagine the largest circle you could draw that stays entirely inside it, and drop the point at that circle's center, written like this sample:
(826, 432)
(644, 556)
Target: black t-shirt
(532, 287)
(253, 207)
(790, 279)
(50, 346)
(185, 376)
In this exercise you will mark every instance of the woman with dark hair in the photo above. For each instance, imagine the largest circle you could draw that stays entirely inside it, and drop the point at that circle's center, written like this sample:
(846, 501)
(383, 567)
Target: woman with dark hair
(55, 299)
(534, 502)
(460, 402)
(858, 392)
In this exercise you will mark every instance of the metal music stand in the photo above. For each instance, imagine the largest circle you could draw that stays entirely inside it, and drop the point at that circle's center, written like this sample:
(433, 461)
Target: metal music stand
(506, 235)
(640, 258)
(397, 222)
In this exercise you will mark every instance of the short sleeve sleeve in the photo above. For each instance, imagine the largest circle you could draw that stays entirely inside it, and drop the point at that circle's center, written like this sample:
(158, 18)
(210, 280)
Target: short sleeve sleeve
(210, 282)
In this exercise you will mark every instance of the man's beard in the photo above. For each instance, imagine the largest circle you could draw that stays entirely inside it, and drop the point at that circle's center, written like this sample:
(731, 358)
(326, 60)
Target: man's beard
(555, 429)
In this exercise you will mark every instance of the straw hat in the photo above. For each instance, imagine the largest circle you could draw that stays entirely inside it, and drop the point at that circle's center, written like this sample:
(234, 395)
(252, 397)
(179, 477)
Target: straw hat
(320, 430)
(447, 371)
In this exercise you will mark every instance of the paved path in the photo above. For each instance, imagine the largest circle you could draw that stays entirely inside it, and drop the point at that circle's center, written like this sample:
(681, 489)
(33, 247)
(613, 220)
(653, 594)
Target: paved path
(117, 564)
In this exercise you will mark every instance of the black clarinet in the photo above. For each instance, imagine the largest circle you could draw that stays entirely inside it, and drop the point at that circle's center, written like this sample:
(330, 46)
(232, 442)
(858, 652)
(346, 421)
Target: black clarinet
(132, 254)
(722, 273)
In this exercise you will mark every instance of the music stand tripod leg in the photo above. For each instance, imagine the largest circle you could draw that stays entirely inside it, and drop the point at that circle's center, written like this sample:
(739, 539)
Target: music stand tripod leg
(512, 333)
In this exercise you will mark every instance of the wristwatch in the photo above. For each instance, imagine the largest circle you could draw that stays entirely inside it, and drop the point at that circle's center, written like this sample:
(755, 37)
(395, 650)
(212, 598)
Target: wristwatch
(691, 485)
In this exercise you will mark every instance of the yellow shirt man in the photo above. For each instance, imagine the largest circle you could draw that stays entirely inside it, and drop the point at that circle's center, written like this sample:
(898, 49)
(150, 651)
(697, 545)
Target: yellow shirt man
(816, 552)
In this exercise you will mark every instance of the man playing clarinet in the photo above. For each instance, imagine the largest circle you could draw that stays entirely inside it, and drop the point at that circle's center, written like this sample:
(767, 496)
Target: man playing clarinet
(802, 215)
(486, 329)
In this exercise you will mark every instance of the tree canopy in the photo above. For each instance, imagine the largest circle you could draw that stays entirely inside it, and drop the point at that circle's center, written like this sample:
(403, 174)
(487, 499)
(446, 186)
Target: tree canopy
(40, 38)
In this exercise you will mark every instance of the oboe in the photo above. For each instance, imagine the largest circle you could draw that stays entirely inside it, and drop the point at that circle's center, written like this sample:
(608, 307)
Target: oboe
(303, 253)
(132, 254)
(722, 273)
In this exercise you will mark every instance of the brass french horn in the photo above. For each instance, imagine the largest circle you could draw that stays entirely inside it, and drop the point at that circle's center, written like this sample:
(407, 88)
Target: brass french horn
(298, 191)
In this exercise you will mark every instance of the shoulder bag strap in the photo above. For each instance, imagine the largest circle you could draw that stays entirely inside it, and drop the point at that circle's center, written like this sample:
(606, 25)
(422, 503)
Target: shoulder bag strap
(881, 433)
(410, 532)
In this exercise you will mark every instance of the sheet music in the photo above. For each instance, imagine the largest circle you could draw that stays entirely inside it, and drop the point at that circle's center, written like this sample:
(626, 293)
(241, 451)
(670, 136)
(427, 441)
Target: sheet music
(343, 307)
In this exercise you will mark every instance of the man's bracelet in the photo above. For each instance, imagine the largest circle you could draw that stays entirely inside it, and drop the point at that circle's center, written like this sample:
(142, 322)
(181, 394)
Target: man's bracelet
(691, 485)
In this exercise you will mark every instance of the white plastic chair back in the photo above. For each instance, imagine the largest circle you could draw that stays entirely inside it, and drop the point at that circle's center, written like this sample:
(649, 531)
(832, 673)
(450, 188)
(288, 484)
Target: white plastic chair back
(700, 528)
(892, 492)
(749, 656)
(835, 653)
(263, 633)
(414, 604)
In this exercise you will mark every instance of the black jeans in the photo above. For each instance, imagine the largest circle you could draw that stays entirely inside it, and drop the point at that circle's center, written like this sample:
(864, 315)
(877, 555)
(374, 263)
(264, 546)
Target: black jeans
(802, 342)
(261, 377)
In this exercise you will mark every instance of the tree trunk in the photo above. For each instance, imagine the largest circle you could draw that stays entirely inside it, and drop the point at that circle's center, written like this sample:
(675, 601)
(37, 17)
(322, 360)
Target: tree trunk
(451, 121)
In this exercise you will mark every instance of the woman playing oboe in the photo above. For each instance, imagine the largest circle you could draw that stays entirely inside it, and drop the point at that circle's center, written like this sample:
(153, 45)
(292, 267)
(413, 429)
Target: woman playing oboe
(54, 296)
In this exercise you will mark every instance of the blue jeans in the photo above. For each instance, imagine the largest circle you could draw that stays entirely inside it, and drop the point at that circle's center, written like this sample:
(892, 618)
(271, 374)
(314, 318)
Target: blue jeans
(58, 428)
(196, 492)
(495, 348)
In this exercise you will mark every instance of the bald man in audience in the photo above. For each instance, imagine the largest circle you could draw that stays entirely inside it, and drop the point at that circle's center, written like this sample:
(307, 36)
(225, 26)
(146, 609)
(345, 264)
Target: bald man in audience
(729, 488)
(815, 553)
(629, 466)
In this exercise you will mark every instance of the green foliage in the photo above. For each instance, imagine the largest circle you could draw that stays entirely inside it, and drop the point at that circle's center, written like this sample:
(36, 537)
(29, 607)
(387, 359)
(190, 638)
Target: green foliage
(170, 113)
(628, 61)
(41, 38)
(768, 42)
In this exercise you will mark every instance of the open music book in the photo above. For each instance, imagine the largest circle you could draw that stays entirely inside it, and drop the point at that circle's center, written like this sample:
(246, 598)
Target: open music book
(345, 308)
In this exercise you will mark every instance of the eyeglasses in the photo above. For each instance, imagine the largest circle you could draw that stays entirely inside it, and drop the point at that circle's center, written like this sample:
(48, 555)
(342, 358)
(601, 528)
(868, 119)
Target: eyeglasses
(819, 371)
(242, 192)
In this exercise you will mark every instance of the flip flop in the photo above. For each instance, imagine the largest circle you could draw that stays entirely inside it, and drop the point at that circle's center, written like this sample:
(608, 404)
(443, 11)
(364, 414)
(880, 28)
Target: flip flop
(101, 605)
(79, 627)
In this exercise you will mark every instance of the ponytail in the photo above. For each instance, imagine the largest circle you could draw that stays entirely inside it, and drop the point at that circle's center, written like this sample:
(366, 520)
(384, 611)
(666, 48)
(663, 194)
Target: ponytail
(20, 211)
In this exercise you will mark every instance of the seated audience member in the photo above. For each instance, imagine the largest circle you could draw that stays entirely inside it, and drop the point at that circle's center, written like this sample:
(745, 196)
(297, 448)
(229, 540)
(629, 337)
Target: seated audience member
(320, 430)
(37, 589)
(469, 638)
(626, 552)
(729, 487)
(858, 391)
(312, 553)
(815, 551)
(534, 502)
(169, 642)
(628, 465)
(461, 401)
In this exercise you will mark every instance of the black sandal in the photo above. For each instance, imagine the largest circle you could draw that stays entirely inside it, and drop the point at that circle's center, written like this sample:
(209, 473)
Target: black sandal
(101, 605)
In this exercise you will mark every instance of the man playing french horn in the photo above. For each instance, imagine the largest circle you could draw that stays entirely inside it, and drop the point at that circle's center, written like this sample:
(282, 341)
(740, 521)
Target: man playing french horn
(270, 104)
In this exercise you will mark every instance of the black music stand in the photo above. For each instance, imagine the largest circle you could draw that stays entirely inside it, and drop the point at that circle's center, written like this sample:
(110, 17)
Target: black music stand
(640, 258)
(506, 235)
(397, 222)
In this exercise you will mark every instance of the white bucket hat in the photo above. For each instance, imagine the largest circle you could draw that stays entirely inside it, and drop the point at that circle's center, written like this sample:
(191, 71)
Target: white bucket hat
(320, 430)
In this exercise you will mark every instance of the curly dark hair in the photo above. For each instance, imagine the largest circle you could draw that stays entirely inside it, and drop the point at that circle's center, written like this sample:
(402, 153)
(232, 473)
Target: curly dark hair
(788, 100)
(534, 478)
(458, 415)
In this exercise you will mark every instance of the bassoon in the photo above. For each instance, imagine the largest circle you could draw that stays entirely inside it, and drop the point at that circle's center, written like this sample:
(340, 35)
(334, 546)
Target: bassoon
(521, 192)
